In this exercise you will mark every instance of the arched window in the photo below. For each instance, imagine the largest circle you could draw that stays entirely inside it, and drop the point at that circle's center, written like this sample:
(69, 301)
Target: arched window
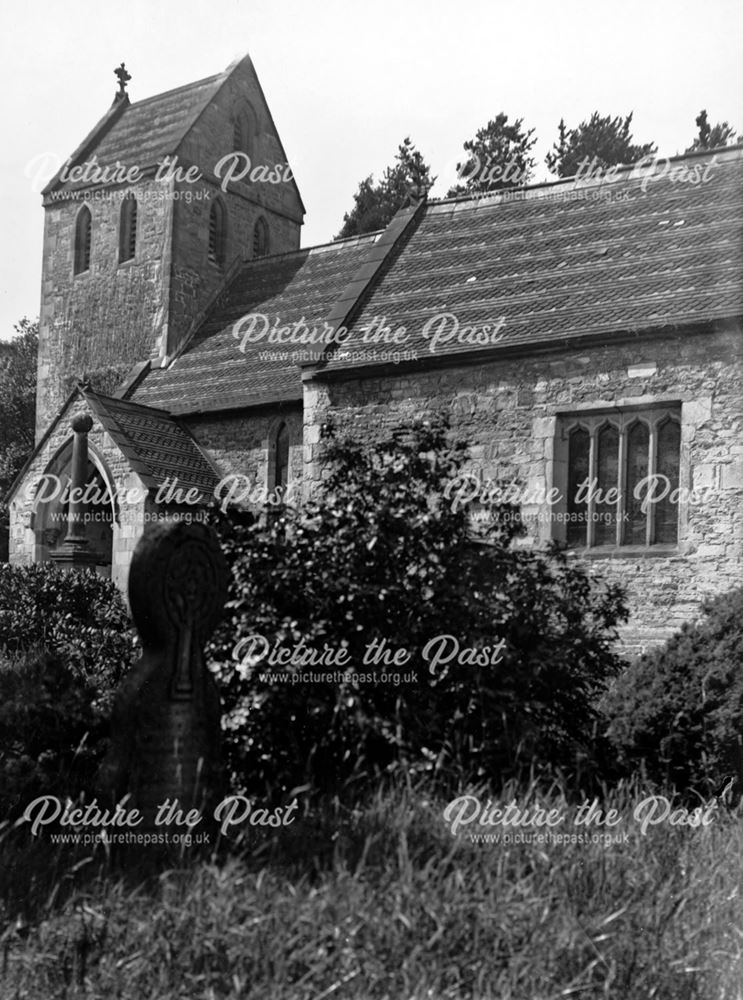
(128, 228)
(277, 479)
(668, 454)
(638, 457)
(260, 238)
(579, 450)
(607, 469)
(217, 233)
(244, 130)
(282, 457)
(83, 230)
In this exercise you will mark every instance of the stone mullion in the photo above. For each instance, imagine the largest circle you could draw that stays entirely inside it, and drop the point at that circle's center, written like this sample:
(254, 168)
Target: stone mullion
(621, 482)
(593, 476)
(652, 469)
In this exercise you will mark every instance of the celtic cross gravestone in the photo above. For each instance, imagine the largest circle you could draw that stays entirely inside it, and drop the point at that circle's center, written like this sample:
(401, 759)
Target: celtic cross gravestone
(165, 730)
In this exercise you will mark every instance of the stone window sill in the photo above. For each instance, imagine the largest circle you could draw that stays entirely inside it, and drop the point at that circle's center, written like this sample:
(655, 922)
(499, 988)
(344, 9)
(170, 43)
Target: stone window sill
(627, 552)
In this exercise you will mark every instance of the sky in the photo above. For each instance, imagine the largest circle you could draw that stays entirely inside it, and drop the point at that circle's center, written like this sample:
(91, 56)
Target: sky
(347, 81)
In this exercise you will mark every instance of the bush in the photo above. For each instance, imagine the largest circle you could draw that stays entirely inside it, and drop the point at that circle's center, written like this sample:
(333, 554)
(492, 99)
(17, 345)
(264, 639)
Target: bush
(383, 554)
(678, 710)
(80, 617)
(51, 729)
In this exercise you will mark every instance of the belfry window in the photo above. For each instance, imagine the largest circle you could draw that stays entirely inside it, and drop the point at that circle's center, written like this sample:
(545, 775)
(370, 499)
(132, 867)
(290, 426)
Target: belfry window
(217, 233)
(244, 130)
(83, 233)
(128, 228)
(260, 238)
(623, 478)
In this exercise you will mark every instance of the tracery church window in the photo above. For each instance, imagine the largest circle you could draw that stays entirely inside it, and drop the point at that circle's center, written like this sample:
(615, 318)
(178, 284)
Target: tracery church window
(623, 477)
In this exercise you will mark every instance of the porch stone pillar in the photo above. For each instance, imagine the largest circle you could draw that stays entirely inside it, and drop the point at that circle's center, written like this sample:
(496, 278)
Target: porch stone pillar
(75, 549)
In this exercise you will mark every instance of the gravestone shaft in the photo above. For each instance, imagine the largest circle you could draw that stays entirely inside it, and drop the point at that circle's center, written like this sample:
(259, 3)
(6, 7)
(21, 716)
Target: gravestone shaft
(165, 730)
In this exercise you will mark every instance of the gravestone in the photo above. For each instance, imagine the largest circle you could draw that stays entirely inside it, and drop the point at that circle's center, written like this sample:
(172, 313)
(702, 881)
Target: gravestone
(165, 727)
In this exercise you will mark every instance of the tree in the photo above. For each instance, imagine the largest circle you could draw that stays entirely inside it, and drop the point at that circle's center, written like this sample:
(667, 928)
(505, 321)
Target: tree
(17, 411)
(376, 204)
(499, 157)
(711, 136)
(505, 650)
(600, 142)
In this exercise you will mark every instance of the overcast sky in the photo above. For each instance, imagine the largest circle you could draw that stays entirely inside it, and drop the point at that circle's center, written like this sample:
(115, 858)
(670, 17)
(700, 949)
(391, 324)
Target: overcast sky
(347, 80)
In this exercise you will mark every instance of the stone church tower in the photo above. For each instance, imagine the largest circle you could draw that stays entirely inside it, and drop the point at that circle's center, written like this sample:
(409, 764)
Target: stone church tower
(145, 222)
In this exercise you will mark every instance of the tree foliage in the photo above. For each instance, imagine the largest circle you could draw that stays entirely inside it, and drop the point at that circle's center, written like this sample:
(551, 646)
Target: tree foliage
(17, 400)
(711, 136)
(375, 203)
(383, 555)
(602, 141)
(17, 411)
(499, 157)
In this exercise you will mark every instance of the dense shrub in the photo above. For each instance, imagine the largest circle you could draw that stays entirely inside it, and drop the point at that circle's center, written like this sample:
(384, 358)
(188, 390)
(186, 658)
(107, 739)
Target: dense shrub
(383, 554)
(51, 730)
(65, 641)
(80, 616)
(678, 710)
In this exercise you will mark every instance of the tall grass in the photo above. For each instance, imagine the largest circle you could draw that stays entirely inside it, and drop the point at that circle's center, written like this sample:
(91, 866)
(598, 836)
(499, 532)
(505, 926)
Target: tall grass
(381, 901)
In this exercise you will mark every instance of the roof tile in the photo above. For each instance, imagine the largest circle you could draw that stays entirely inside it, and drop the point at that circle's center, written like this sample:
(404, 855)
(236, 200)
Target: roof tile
(213, 373)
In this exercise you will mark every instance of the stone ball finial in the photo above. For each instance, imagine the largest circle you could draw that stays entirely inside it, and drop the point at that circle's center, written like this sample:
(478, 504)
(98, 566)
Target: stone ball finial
(82, 423)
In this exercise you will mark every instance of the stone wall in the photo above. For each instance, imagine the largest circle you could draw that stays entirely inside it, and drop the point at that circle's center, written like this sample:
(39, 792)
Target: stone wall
(508, 410)
(241, 444)
(112, 314)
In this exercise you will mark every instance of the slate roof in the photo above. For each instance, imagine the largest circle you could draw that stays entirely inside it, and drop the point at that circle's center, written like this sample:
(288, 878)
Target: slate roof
(565, 260)
(213, 373)
(556, 263)
(143, 133)
(152, 128)
(156, 445)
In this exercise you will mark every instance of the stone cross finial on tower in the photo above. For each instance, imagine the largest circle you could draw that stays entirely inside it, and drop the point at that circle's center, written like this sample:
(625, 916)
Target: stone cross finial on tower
(124, 78)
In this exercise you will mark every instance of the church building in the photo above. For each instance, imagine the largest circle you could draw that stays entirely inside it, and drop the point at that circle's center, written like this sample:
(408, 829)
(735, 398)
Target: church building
(583, 336)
